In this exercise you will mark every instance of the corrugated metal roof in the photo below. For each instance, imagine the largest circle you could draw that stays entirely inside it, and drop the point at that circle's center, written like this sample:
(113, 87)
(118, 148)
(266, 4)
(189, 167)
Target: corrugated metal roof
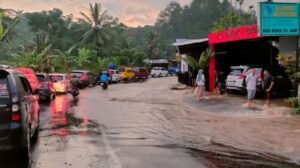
(183, 42)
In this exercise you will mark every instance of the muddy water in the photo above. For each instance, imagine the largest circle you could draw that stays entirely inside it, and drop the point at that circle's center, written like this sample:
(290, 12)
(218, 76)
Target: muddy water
(218, 130)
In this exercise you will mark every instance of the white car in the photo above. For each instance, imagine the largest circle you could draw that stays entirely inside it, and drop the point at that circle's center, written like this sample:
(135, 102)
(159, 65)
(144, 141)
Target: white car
(61, 82)
(236, 77)
(159, 72)
(114, 76)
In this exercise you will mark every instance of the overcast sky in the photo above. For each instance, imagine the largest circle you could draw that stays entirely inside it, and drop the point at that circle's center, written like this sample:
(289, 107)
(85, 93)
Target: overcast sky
(130, 12)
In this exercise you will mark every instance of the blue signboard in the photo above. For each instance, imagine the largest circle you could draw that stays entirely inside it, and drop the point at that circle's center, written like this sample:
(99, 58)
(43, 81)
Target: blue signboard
(279, 19)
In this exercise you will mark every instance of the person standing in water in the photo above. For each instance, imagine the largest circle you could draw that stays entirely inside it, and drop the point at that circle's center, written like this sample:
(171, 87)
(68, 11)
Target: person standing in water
(251, 81)
(268, 83)
(200, 80)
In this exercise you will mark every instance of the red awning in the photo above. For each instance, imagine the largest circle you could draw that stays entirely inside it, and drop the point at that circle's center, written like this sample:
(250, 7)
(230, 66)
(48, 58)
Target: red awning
(235, 34)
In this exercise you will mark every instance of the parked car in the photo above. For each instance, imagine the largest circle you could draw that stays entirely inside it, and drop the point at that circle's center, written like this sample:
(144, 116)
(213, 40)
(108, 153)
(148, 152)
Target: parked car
(61, 82)
(126, 73)
(2, 66)
(19, 112)
(159, 72)
(86, 78)
(46, 92)
(114, 76)
(31, 77)
(141, 72)
(237, 76)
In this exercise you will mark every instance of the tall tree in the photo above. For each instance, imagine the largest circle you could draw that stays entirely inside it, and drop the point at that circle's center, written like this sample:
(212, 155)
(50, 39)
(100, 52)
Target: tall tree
(99, 25)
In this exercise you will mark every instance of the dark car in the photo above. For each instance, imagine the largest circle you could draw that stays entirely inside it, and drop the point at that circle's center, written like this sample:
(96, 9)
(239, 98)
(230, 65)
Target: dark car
(19, 112)
(141, 72)
(46, 91)
(86, 78)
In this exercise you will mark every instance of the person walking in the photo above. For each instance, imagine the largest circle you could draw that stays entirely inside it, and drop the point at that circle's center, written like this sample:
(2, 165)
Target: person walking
(200, 80)
(268, 83)
(251, 81)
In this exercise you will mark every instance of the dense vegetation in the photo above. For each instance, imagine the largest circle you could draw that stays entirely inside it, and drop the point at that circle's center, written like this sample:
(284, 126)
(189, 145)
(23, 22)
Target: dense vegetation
(50, 41)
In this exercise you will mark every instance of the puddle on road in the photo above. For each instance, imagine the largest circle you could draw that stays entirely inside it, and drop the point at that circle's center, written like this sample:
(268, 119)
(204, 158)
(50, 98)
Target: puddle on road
(63, 121)
(58, 122)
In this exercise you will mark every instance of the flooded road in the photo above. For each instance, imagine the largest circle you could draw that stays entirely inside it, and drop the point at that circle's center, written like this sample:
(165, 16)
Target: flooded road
(148, 125)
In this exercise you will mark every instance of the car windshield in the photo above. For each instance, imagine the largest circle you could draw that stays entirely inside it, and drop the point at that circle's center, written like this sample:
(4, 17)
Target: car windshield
(122, 70)
(236, 72)
(57, 77)
(257, 71)
(76, 74)
(156, 68)
(41, 78)
(136, 69)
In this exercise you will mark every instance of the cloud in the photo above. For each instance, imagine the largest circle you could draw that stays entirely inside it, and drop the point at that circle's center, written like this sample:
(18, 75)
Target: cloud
(131, 12)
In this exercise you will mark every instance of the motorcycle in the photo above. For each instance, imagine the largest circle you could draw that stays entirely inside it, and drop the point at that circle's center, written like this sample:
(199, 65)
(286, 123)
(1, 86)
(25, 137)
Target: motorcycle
(104, 85)
(74, 91)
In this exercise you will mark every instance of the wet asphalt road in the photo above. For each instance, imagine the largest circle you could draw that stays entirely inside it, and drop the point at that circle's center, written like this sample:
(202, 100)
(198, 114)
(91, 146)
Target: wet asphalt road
(138, 125)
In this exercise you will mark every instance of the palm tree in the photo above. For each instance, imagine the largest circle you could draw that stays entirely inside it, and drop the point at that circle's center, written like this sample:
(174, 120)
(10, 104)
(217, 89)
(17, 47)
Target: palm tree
(6, 29)
(203, 60)
(99, 25)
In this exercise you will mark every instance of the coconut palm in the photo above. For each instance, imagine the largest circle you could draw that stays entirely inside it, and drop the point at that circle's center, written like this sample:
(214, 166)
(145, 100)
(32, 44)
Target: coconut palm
(7, 25)
(99, 25)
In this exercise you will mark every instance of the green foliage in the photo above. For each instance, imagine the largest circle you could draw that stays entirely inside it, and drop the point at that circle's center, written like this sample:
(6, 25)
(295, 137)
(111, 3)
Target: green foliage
(293, 102)
(230, 20)
(289, 64)
(50, 41)
(84, 57)
(203, 60)
(297, 111)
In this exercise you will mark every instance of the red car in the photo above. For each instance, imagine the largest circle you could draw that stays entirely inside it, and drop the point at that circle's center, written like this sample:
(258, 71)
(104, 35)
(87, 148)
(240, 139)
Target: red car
(141, 72)
(31, 77)
(46, 92)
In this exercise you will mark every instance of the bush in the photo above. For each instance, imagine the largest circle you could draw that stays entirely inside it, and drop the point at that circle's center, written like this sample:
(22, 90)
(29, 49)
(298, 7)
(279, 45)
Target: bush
(297, 111)
(293, 102)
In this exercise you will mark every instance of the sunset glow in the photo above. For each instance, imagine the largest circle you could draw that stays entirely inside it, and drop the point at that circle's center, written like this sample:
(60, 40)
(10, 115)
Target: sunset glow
(131, 12)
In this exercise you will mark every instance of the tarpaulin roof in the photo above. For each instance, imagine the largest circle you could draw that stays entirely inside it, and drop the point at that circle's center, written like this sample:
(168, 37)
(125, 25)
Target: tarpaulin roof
(183, 42)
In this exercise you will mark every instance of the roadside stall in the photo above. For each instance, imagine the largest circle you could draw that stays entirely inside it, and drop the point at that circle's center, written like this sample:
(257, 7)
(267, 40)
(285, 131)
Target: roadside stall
(185, 48)
(243, 46)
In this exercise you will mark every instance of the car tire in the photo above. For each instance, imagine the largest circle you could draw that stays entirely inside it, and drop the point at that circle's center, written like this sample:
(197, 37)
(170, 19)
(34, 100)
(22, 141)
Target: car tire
(26, 150)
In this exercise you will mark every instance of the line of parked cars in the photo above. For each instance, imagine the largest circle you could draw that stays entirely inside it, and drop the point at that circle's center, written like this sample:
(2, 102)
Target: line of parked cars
(129, 73)
(21, 89)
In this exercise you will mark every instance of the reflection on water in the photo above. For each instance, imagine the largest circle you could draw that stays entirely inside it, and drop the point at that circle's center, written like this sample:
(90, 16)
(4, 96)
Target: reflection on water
(59, 120)
(63, 121)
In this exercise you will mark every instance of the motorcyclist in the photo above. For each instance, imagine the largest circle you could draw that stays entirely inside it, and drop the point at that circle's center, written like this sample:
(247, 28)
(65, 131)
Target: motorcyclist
(74, 89)
(74, 82)
(104, 77)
